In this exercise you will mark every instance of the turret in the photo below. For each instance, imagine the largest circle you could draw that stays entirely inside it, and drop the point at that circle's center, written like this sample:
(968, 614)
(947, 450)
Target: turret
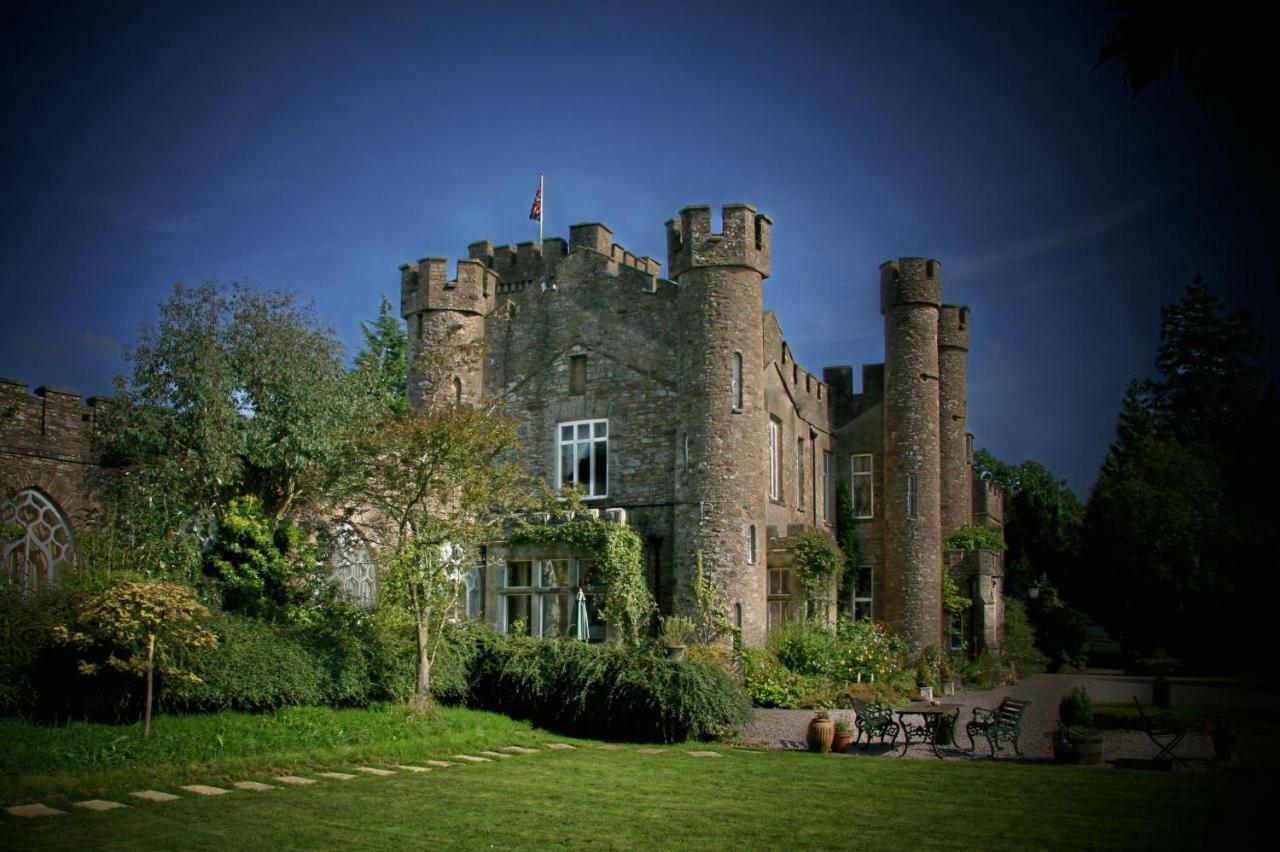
(444, 311)
(720, 502)
(910, 297)
(953, 349)
(744, 241)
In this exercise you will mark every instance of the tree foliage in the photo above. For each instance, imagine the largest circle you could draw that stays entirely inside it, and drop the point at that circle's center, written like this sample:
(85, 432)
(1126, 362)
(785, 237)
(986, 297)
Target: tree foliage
(233, 391)
(1179, 524)
(141, 624)
(1042, 518)
(431, 486)
(384, 360)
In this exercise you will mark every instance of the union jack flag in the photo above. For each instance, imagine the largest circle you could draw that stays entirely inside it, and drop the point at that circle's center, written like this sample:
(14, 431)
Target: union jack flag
(535, 212)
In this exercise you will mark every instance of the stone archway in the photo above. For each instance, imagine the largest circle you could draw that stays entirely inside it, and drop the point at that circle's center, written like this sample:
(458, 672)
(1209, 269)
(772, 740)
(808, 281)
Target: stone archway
(46, 546)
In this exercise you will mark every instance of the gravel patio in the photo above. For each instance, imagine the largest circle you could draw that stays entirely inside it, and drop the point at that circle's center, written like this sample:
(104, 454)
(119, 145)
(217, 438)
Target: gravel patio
(786, 728)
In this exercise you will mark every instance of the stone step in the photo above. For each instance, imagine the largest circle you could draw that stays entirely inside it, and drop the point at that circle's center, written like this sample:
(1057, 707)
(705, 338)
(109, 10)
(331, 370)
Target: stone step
(256, 786)
(294, 780)
(205, 790)
(99, 805)
(35, 809)
(154, 796)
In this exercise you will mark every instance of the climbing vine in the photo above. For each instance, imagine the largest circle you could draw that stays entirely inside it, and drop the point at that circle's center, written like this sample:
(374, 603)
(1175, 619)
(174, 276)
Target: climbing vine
(816, 559)
(975, 538)
(615, 559)
(845, 536)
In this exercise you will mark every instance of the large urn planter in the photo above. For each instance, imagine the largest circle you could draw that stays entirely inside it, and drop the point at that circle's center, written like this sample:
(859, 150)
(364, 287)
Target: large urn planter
(1082, 750)
(821, 733)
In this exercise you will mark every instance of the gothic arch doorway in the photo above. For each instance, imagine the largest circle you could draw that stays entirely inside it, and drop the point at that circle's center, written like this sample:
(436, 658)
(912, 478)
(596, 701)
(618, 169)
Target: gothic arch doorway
(45, 547)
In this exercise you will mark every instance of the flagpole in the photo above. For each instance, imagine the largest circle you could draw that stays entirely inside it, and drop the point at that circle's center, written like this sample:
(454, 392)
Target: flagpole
(543, 214)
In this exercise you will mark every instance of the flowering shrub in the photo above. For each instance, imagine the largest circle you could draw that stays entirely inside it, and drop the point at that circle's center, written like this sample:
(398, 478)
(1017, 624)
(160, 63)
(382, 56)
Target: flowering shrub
(865, 651)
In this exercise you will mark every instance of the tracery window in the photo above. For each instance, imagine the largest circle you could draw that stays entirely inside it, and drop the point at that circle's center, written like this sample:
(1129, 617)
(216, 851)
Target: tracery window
(34, 559)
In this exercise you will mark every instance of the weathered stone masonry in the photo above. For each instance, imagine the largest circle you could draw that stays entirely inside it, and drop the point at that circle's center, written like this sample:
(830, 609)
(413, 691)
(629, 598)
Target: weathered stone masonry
(689, 373)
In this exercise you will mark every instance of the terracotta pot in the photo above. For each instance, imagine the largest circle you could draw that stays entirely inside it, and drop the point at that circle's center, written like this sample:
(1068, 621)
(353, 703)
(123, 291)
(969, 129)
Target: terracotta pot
(820, 734)
(841, 741)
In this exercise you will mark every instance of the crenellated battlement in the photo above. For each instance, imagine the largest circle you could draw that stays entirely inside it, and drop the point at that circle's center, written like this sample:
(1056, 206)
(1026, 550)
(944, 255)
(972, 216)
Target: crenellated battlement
(744, 241)
(425, 286)
(953, 327)
(526, 266)
(52, 423)
(910, 281)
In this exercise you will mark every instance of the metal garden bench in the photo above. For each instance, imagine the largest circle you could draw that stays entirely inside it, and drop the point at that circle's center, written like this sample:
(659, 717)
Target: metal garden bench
(1002, 723)
(875, 720)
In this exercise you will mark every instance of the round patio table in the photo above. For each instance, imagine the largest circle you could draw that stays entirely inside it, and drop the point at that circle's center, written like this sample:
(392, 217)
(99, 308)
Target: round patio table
(931, 721)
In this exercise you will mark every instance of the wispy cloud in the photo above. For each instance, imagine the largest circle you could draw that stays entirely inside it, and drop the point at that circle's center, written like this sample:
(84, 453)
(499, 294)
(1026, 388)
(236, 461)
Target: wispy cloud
(1064, 235)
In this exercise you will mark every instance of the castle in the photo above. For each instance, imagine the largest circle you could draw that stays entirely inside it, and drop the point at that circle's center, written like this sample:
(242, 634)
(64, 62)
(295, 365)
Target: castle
(673, 403)
(678, 401)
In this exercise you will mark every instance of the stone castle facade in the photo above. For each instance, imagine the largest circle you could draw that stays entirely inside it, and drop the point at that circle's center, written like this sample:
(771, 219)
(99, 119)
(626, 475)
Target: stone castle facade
(679, 401)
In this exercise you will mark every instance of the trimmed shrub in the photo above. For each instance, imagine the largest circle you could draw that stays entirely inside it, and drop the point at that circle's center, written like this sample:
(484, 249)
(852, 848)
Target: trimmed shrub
(805, 648)
(1020, 639)
(605, 692)
(768, 682)
(256, 666)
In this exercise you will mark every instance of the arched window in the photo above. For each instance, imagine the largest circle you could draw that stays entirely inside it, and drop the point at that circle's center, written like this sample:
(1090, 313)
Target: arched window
(736, 381)
(457, 391)
(351, 567)
(751, 545)
(34, 559)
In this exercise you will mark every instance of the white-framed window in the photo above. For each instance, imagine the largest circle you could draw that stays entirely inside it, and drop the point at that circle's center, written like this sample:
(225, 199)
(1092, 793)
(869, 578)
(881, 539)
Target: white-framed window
(911, 496)
(539, 597)
(781, 596)
(751, 544)
(864, 497)
(775, 458)
(826, 484)
(584, 456)
(737, 381)
(860, 593)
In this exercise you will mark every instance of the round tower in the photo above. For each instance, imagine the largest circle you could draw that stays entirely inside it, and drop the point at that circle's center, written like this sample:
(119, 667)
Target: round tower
(444, 315)
(953, 349)
(722, 479)
(910, 295)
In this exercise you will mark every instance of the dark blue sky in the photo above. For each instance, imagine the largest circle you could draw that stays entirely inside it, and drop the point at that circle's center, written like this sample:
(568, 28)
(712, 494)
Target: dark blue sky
(315, 147)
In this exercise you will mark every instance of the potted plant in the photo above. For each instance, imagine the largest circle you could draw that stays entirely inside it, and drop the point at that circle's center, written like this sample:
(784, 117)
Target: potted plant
(821, 732)
(677, 632)
(924, 680)
(1076, 740)
(947, 676)
(1161, 690)
(843, 736)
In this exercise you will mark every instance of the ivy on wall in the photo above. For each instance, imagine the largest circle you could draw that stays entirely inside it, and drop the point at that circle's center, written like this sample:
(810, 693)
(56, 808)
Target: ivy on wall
(615, 554)
(975, 538)
(816, 560)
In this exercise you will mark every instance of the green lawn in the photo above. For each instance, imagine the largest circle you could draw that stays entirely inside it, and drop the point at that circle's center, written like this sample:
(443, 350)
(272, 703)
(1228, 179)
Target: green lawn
(590, 797)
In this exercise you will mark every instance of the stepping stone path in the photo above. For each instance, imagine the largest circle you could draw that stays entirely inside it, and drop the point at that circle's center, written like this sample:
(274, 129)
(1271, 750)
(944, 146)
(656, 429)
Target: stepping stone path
(34, 810)
(704, 754)
(99, 805)
(37, 809)
(612, 747)
(651, 751)
(205, 790)
(294, 780)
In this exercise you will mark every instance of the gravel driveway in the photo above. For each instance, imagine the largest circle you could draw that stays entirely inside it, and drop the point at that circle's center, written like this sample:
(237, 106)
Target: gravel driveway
(784, 728)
